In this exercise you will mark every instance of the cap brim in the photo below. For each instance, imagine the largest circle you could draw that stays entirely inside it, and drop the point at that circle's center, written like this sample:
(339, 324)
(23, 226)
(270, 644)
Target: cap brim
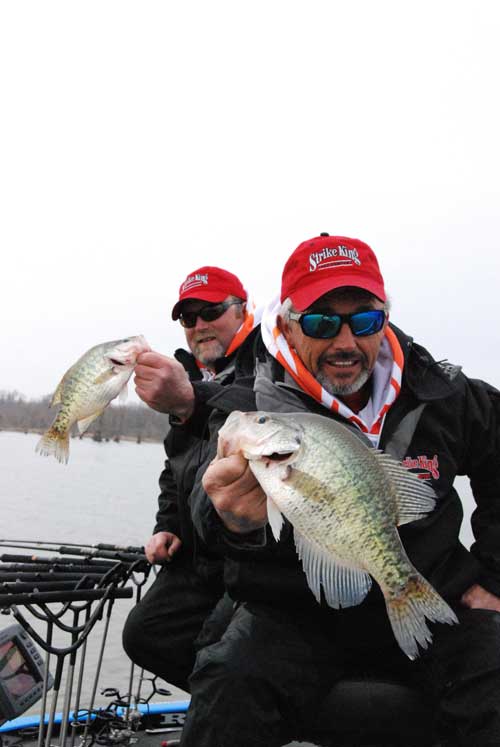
(198, 295)
(303, 297)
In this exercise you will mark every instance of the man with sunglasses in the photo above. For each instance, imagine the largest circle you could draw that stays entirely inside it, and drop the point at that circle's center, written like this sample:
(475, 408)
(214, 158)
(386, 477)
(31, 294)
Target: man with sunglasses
(160, 631)
(328, 348)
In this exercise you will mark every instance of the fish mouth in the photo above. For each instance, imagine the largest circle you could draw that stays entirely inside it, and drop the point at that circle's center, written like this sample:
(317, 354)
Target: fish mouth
(126, 352)
(288, 451)
(278, 456)
(275, 456)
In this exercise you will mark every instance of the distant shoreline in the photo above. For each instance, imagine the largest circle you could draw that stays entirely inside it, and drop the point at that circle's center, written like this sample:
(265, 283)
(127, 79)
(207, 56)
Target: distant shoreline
(86, 436)
(125, 423)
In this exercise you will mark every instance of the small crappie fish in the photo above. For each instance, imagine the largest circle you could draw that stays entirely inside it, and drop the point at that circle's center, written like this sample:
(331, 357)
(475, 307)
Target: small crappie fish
(344, 500)
(87, 388)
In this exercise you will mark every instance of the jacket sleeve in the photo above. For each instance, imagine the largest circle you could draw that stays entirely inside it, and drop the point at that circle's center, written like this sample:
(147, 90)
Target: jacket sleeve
(203, 391)
(207, 522)
(178, 441)
(205, 518)
(167, 519)
(483, 468)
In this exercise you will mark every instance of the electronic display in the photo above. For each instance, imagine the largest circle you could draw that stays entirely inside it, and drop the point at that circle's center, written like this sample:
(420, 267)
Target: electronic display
(21, 672)
(15, 674)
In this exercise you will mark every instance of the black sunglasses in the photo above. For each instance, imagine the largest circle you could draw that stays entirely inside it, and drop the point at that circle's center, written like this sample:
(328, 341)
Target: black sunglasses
(208, 313)
(325, 326)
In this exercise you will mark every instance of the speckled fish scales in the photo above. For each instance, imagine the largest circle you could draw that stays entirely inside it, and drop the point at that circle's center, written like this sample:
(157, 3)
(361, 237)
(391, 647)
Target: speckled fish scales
(345, 501)
(86, 388)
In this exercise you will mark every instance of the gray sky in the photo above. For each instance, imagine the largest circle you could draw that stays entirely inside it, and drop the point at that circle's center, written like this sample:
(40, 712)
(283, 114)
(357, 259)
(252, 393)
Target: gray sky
(141, 140)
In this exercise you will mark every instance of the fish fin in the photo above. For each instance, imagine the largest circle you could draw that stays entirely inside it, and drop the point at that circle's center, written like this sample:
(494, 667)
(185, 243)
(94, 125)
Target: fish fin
(414, 498)
(122, 396)
(105, 376)
(343, 585)
(85, 422)
(275, 518)
(408, 609)
(54, 443)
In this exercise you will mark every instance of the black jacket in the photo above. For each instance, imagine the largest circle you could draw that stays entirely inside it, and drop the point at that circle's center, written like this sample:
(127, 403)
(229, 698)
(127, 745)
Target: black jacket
(186, 446)
(442, 425)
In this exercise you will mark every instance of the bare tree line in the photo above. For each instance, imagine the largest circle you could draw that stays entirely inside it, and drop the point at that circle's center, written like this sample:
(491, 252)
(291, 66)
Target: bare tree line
(130, 422)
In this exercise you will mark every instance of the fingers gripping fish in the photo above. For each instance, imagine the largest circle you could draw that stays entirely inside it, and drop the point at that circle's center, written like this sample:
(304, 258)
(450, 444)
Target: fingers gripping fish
(86, 389)
(344, 500)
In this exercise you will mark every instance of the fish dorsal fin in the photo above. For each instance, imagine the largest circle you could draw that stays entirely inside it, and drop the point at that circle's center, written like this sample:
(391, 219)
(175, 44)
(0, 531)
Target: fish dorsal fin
(275, 518)
(343, 585)
(85, 422)
(414, 498)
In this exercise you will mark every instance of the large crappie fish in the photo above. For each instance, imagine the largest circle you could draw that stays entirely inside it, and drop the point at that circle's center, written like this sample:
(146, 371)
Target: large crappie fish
(86, 388)
(344, 500)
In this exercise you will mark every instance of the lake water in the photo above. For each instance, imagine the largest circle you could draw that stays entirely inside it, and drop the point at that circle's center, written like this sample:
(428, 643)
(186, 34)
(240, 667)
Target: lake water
(106, 493)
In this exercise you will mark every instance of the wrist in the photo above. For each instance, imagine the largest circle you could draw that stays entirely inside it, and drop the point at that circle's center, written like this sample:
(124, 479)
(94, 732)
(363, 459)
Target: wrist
(239, 524)
(181, 415)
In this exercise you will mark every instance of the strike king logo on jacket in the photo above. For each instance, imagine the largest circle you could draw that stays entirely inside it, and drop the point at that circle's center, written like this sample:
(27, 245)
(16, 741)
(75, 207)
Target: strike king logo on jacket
(426, 468)
(333, 257)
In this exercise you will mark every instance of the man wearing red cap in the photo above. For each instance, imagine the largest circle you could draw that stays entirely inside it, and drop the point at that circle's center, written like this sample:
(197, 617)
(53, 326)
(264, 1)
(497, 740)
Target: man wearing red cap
(328, 348)
(212, 308)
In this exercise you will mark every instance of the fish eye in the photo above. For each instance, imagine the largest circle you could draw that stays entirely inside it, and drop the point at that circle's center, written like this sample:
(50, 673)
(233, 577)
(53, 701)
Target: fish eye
(262, 419)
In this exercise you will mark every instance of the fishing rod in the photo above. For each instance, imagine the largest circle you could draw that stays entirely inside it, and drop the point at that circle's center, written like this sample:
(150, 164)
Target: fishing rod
(54, 568)
(77, 595)
(15, 587)
(46, 560)
(126, 557)
(58, 574)
(38, 545)
(9, 576)
(20, 563)
(39, 570)
(130, 555)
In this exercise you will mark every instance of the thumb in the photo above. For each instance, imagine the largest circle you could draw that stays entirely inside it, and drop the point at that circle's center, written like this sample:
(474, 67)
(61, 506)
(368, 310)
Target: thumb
(173, 545)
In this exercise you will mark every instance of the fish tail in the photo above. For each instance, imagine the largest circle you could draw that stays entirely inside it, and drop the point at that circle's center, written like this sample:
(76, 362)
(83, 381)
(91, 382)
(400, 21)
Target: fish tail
(54, 443)
(408, 609)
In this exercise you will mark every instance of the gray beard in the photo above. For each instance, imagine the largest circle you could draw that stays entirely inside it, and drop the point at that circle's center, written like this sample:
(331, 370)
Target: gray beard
(207, 359)
(340, 389)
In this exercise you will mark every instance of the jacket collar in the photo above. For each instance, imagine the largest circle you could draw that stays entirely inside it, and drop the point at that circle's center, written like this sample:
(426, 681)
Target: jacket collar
(426, 378)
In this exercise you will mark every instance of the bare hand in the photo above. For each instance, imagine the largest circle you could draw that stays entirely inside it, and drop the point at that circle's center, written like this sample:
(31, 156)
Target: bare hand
(161, 547)
(237, 496)
(163, 384)
(478, 598)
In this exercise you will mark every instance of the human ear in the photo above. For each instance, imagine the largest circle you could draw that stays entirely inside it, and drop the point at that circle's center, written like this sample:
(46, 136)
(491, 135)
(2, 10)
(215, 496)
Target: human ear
(285, 329)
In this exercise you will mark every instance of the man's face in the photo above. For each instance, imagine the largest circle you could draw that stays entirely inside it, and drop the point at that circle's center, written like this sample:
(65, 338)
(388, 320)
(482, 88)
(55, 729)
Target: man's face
(342, 364)
(209, 341)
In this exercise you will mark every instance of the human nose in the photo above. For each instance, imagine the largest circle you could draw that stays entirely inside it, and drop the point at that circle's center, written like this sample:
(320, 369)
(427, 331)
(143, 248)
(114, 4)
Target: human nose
(345, 338)
(200, 324)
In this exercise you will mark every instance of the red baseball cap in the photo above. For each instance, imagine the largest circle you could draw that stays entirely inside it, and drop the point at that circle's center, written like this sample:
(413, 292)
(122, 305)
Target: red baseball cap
(324, 263)
(209, 284)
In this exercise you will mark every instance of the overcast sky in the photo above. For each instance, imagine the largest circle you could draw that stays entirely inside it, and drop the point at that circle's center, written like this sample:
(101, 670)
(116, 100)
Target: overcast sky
(140, 140)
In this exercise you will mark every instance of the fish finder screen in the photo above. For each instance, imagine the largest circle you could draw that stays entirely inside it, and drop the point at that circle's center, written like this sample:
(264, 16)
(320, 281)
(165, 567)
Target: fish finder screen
(15, 674)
